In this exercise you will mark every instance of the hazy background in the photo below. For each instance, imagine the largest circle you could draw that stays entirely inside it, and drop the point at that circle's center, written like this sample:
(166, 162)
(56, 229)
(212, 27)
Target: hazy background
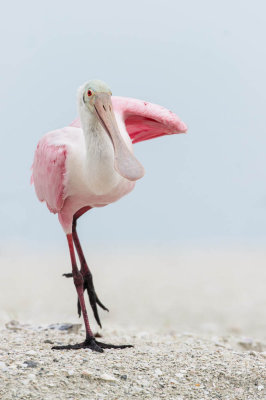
(203, 60)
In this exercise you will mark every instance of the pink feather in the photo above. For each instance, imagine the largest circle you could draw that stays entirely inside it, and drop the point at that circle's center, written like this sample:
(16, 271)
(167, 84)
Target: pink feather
(48, 174)
(144, 120)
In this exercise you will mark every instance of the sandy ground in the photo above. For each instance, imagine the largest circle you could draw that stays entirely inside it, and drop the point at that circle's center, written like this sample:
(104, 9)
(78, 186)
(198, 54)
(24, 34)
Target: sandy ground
(196, 319)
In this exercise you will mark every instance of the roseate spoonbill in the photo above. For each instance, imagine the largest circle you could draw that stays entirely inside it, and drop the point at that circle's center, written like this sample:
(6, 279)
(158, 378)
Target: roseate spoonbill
(91, 164)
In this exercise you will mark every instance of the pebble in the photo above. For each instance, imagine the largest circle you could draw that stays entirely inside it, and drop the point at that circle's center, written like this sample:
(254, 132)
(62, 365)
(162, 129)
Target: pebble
(158, 372)
(3, 366)
(87, 374)
(31, 364)
(107, 377)
(70, 328)
(31, 353)
(173, 382)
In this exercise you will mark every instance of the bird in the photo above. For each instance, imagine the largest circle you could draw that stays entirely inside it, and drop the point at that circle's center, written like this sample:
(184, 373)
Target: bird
(90, 163)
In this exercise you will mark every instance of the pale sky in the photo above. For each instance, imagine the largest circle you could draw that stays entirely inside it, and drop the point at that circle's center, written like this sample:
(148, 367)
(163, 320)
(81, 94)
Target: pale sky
(204, 60)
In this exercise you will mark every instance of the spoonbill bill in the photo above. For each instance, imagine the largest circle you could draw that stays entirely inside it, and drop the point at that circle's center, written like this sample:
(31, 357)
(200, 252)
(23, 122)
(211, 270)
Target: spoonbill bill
(90, 163)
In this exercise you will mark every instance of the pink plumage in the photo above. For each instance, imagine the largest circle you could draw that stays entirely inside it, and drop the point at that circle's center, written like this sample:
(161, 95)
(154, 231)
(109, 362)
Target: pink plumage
(91, 164)
(142, 121)
(48, 173)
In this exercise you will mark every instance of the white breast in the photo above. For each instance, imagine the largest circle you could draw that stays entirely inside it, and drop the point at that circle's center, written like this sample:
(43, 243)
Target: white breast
(90, 162)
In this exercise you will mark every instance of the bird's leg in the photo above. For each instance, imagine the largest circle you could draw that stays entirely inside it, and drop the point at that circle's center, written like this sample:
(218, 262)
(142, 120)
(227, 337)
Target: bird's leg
(85, 271)
(90, 341)
(87, 278)
(78, 214)
(78, 281)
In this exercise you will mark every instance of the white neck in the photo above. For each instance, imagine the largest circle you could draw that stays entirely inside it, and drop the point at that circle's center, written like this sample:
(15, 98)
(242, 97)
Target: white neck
(102, 177)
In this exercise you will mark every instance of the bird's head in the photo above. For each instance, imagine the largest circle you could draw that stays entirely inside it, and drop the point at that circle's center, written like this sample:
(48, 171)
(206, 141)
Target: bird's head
(95, 98)
(91, 92)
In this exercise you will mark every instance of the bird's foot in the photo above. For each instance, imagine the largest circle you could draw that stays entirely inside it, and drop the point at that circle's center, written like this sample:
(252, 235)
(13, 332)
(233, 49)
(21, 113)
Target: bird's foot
(92, 344)
(93, 298)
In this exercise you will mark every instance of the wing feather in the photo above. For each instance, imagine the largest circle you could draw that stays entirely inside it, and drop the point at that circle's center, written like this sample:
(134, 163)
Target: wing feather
(48, 173)
(143, 120)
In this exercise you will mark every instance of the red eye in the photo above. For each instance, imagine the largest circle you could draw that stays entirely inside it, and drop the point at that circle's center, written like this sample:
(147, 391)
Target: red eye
(89, 93)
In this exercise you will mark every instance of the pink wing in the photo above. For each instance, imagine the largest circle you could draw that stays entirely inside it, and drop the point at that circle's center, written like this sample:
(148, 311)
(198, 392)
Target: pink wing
(144, 120)
(48, 173)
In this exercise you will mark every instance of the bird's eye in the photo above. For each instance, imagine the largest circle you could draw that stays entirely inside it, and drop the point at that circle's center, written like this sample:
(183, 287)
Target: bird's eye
(89, 93)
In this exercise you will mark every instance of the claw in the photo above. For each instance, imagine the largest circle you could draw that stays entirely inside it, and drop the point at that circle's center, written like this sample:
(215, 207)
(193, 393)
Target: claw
(79, 309)
(93, 298)
(70, 275)
(100, 303)
(112, 346)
